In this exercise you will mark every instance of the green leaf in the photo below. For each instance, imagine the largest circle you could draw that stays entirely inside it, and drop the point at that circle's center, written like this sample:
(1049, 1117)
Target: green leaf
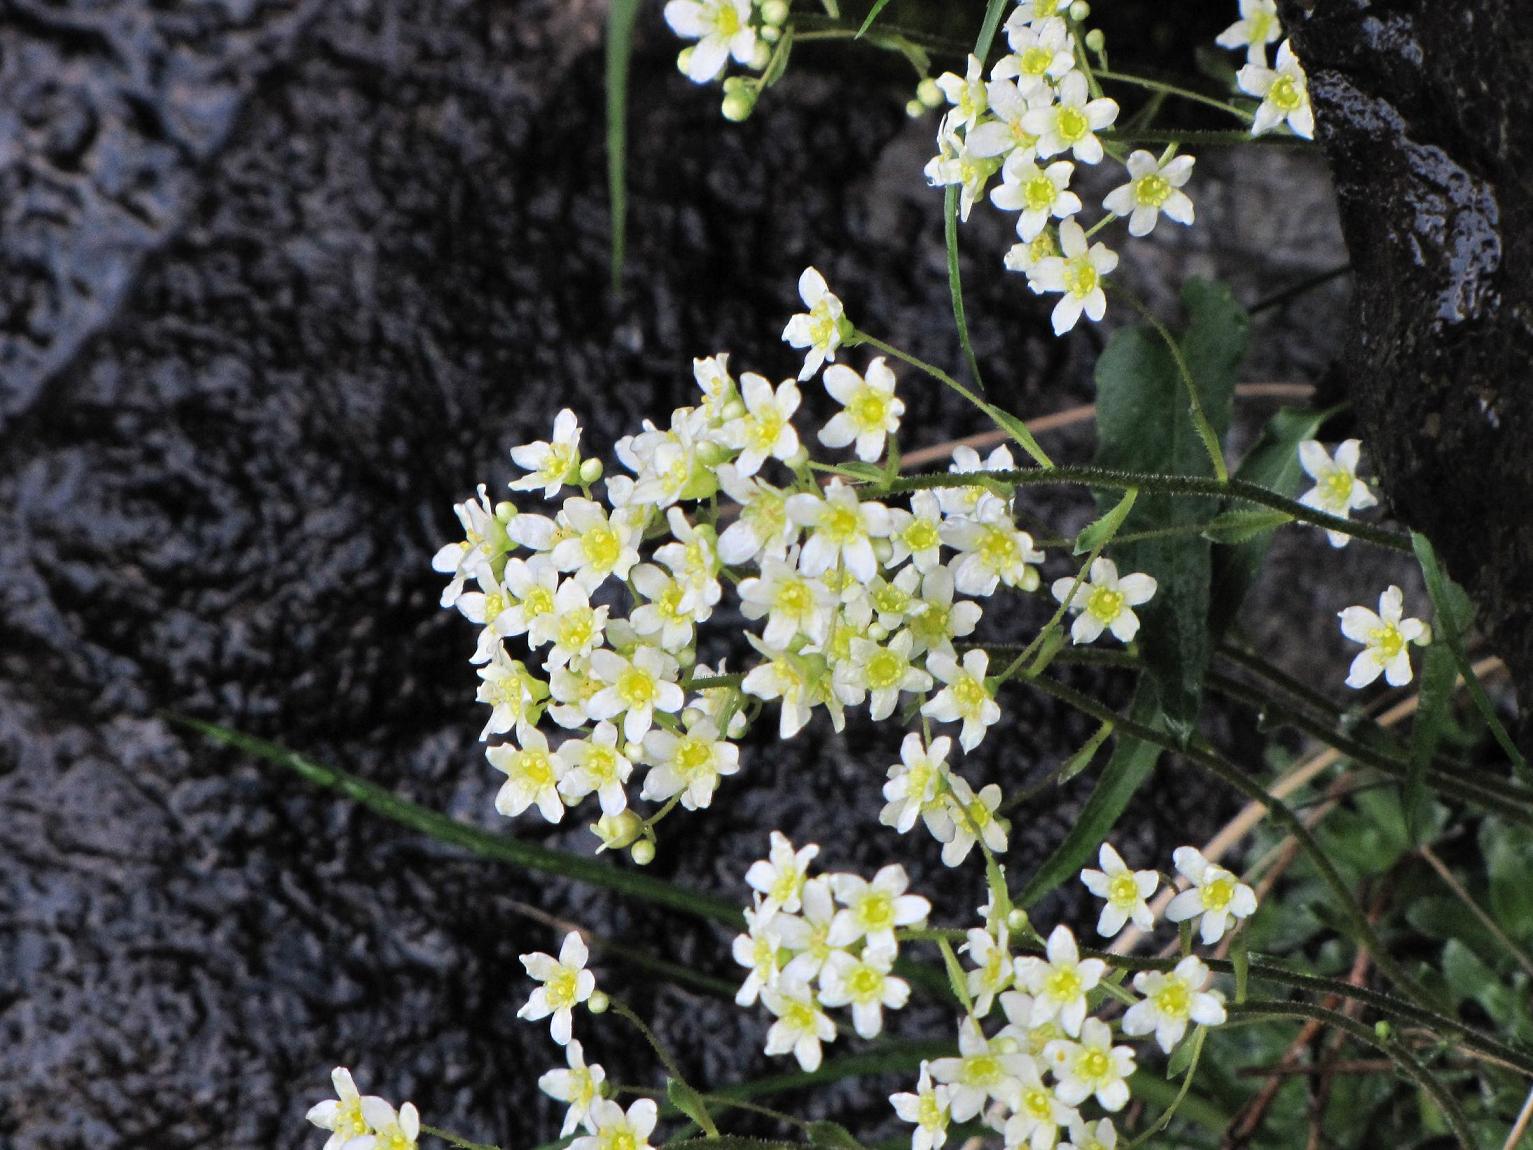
(956, 979)
(955, 282)
(778, 64)
(1079, 761)
(1273, 463)
(1144, 424)
(690, 1103)
(1100, 531)
(1471, 980)
(1125, 772)
(872, 15)
(832, 1136)
(1454, 615)
(1438, 675)
(987, 29)
(1015, 428)
(1508, 854)
(1240, 526)
(1181, 1058)
(1240, 959)
(620, 21)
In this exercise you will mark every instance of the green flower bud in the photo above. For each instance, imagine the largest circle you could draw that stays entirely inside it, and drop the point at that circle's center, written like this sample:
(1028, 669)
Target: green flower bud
(616, 831)
(598, 1002)
(590, 471)
(505, 511)
(739, 105)
(774, 12)
(1080, 11)
(684, 60)
(915, 109)
(642, 852)
(1095, 40)
(761, 56)
(929, 94)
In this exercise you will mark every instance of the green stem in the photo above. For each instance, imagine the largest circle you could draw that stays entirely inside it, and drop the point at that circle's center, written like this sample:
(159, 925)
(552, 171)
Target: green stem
(1179, 93)
(1164, 1120)
(1204, 138)
(622, 1011)
(456, 1139)
(1177, 485)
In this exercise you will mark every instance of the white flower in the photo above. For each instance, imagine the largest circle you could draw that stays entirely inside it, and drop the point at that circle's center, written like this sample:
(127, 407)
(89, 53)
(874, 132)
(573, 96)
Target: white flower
(792, 602)
(1019, 1028)
(879, 673)
(1010, 101)
(1039, 1113)
(594, 766)
(916, 534)
(1072, 123)
(1386, 638)
(689, 764)
(927, 1109)
(873, 910)
(820, 329)
(484, 541)
(1337, 489)
(1170, 1001)
(1092, 1066)
(1025, 256)
(1102, 1136)
(763, 526)
(938, 619)
(991, 550)
(1059, 985)
(612, 1129)
(984, 1069)
(1284, 94)
(974, 819)
(515, 695)
(391, 1130)
(573, 627)
(531, 585)
(721, 704)
(965, 697)
(1077, 273)
(870, 409)
(1040, 194)
(716, 384)
(552, 463)
(693, 558)
(487, 607)
(1215, 893)
(532, 776)
(1124, 890)
(766, 430)
(660, 617)
(722, 28)
(807, 935)
(1034, 12)
(966, 93)
(1105, 601)
(341, 1115)
(866, 984)
(579, 1086)
(957, 163)
(566, 983)
(801, 1025)
(595, 546)
(1257, 27)
(916, 784)
(992, 966)
(1042, 51)
(842, 530)
(635, 688)
(895, 601)
(782, 676)
(1152, 188)
(757, 950)
(780, 876)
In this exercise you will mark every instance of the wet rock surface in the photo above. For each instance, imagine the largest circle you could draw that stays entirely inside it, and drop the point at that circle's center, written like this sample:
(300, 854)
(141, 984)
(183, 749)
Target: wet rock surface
(281, 282)
(1427, 121)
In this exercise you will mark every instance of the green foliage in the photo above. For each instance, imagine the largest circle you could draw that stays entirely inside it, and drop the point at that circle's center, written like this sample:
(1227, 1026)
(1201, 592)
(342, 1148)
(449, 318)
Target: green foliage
(690, 1103)
(620, 21)
(1144, 424)
(832, 1136)
(1438, 674)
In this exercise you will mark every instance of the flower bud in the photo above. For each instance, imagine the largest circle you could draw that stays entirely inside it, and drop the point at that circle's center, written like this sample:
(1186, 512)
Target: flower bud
(929, 94)
(734, 409)
(686, 657)
(1080, 11)
(774, 12)
(691, 716)
(1017, 921)
(882, 549)
(915, 109)
(1383, 1030)
(877, 631)
(684, 60)
(616, 831)
(1096, 41)
(1005, 1044)
(642, 852)
(761, 56)
(799, 459)
(590, 471)
(598, 1002)
(505, 511)
(770, 34)
(738, 106)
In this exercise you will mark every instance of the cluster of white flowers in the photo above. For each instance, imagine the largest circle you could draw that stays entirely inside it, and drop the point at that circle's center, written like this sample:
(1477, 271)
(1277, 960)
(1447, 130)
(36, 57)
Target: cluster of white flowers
(820, 942)
(740, 30)
(1281, 86)
(860, 602)
(1038, 106)
(1029, 1079)
(364, 1122)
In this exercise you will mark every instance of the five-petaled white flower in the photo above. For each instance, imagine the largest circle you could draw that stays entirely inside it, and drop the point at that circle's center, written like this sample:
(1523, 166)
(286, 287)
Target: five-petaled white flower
(1085, 1136)
(566, 983)
(985, 1069)
(1059, 985)
(532, 776)
(927, 1109)
(722, 28)
(1105, 601)
(1072, 122)
(992, 969)
(579, 1086)
(613, 1129)
(341, 1115)
(819, 330)
(1257, 27)
(1172, 1000)
(842, 529)
(1092, 1066)
(1215, 893)
(1386, 639)
(1124, 890)
(965, 697)
(391, 1129)
(635, 688)
(1153, 188)
(974, 820)
(763, 527)
(1040, 194)
(792, 602)
(689, 764)
(991, 549)
(757, 950)
(1284, 93)
(967, 94)
(1337, 491)
(801, 1025)
(1039, 1113)
(594, 546)
(879, 673)
(864, 983)
(916, 786)
(873, 910)
(596, 765)
(551, 463)
(1077, 273)
(765, 431)
(870, 409)
(780, 876)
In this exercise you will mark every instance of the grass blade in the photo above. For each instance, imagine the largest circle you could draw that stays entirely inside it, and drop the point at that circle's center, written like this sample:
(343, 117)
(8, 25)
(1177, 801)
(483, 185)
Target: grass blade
(988, 28)
(955, 281)
(620, 22)
(872, 15)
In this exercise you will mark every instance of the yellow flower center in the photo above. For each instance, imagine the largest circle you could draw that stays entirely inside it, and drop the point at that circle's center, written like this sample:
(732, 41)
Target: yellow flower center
(1063, 985)
(601, 762)
(921, 535)
(577, 629)
(1039, 192)
(536, 769)
(885, 670)
(1093, 1065)
(1072, 124)
(1036, 61)
(636, 687)
(786, 886)
(799, 1016)
(1152, 191)
(603, 547)
(1105, 603)
(1081, 278)
(494, 604)
(669, 603)
(539, 601)
(623, 1138)
(767, 513)
(727, 21)
(763, 431)
(561, 988)
(869, 409)
(969, 692)
(929, 1114)
(824, 326)
(981, 1070)
(693, 757)
(557, 465)
(1173, 999)
(1122, 891)
(998, 548)
(841, 523)
(795, 598)
(1217, 894)
(1038, 1103)
(1285, 94)
(1259, 27)
(931, 625)
(1387, 642)
(891, 599)
(1336, 489)
(349, 1120)
(866, 984)
(876, 911)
